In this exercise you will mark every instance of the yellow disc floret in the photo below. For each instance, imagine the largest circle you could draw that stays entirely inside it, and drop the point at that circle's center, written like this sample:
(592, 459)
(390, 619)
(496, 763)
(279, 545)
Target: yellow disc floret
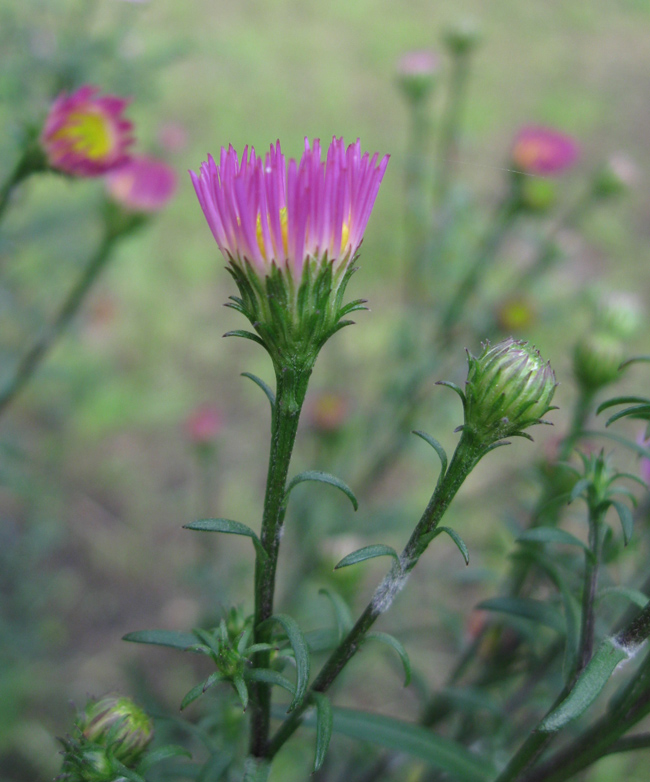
(87, 133)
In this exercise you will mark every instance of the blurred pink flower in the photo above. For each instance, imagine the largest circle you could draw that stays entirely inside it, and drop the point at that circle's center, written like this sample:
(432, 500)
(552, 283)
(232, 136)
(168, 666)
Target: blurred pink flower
(85, 134)
(172, 136)
(143, 184)
(269, 213)
(544, 151)
(328, 411)
(203, 425)
(418, 63)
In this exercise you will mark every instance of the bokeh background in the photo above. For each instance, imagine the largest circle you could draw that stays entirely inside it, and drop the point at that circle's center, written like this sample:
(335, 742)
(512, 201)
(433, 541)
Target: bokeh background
(97, 472)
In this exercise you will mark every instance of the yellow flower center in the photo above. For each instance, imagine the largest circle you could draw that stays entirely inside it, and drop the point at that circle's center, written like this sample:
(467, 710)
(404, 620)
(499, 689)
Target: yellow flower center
(87, 133)
(345, 234)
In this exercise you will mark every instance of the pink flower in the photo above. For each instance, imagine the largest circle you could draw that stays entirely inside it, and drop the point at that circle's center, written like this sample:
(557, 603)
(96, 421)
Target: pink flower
(85, 134)
(267, 212)
(419, 63)
(544, 151)
(143, 184)
(327, 412)
(203, 425)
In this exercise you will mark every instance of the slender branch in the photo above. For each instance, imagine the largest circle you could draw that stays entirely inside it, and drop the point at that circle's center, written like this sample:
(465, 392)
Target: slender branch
(592, 563)
(31, 161)
(466, 456)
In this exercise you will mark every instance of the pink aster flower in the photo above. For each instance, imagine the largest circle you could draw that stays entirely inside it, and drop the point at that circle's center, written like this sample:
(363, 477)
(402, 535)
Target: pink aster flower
(143, 184)
(85, 134)
(203, 425)
(270, 213)
(544, 151)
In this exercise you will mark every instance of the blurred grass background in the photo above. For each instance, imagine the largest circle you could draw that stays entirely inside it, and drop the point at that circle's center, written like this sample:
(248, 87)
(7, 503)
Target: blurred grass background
(97, 474)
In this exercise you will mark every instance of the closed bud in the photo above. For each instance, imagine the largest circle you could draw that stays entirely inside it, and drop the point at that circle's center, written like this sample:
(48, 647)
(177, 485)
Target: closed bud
(416, 74)
(620, 315)
(463, 37)
(117, 723)
(596, 361)
(509, 388)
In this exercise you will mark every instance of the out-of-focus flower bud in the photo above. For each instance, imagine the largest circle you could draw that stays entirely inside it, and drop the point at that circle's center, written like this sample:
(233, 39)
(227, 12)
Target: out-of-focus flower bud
(515, 314)
(85, 134)
(203, 425)
(143, 184)
(620, 314)
(463, 37)
(417, 73)
(327, 412)
(118, 724)
(543, 151)
(509, 388)
(617, 175)
(537, 195)
(596, 360)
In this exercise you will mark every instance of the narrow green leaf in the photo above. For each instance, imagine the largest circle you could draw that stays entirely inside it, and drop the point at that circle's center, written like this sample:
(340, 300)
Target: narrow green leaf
(323, 477)
(163, 753)
(639, 412)
(453, 387)
(197, 691)
(460, 543)
(367, 552)
(578, 488)
(436, 751)
(442, 455)
(550, 535)
(245, 335)
(230, 527)
(342, 613)
(127, 773)
(300, 653)
(634, 360)
(259, 382)
(389, 640)
(621, 400)
(324, 720)
(526, 608)
(169, 638)
(627, 519)
(242, 690)
(269, 676)
(635, 596)
(588, 687)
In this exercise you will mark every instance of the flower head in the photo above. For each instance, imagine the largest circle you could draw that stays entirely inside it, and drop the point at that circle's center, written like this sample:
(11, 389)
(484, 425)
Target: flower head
(544, 151)
(143, 184)
(290, 232)
(597, 358)
(509, 388)
(85, 134)
(416, 73)
(203, 425)
(117, 722)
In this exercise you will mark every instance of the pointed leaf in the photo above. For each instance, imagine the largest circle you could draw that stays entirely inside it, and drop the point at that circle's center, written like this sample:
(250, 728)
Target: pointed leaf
(526, 608)
(578, 488)
(259, 382)
(453, 387)
(300, 653)
(244, 334)
(385, 638)
(242, 690)
(197, 691)
(550, 535)
(169, 638)
(635, 596)
(323, 727)
(621, 400)
(436, 447)
(367, 552)
(627, 519)
(323, 477)
(228, 526)
(342, 613)
(588, 687)
(399, 736)
(460, 543)
(268, 676)
(163, 753)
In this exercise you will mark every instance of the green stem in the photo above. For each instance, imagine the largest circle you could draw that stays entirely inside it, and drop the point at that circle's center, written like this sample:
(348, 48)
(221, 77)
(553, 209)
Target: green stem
(290, 394)
(499, 228)
(592, 562)
(31, 161)
(451, 123)
(44, 344)
(467, 454)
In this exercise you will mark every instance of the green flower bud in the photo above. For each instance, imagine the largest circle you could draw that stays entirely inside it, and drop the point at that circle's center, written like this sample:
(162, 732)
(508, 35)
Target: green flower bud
(620, 315)
(509, 388)
(536, 195)
(86, 763)
(118, 724)
(463, 37)
(416, 74)
(596, 361)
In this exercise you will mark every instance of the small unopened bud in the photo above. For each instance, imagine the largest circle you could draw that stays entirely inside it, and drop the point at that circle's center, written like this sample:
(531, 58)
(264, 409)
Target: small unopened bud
(417, 73)
(463, 37)
(537, 195)
(596, 361)
(620, 315)
(119, 725)
(509, 388)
